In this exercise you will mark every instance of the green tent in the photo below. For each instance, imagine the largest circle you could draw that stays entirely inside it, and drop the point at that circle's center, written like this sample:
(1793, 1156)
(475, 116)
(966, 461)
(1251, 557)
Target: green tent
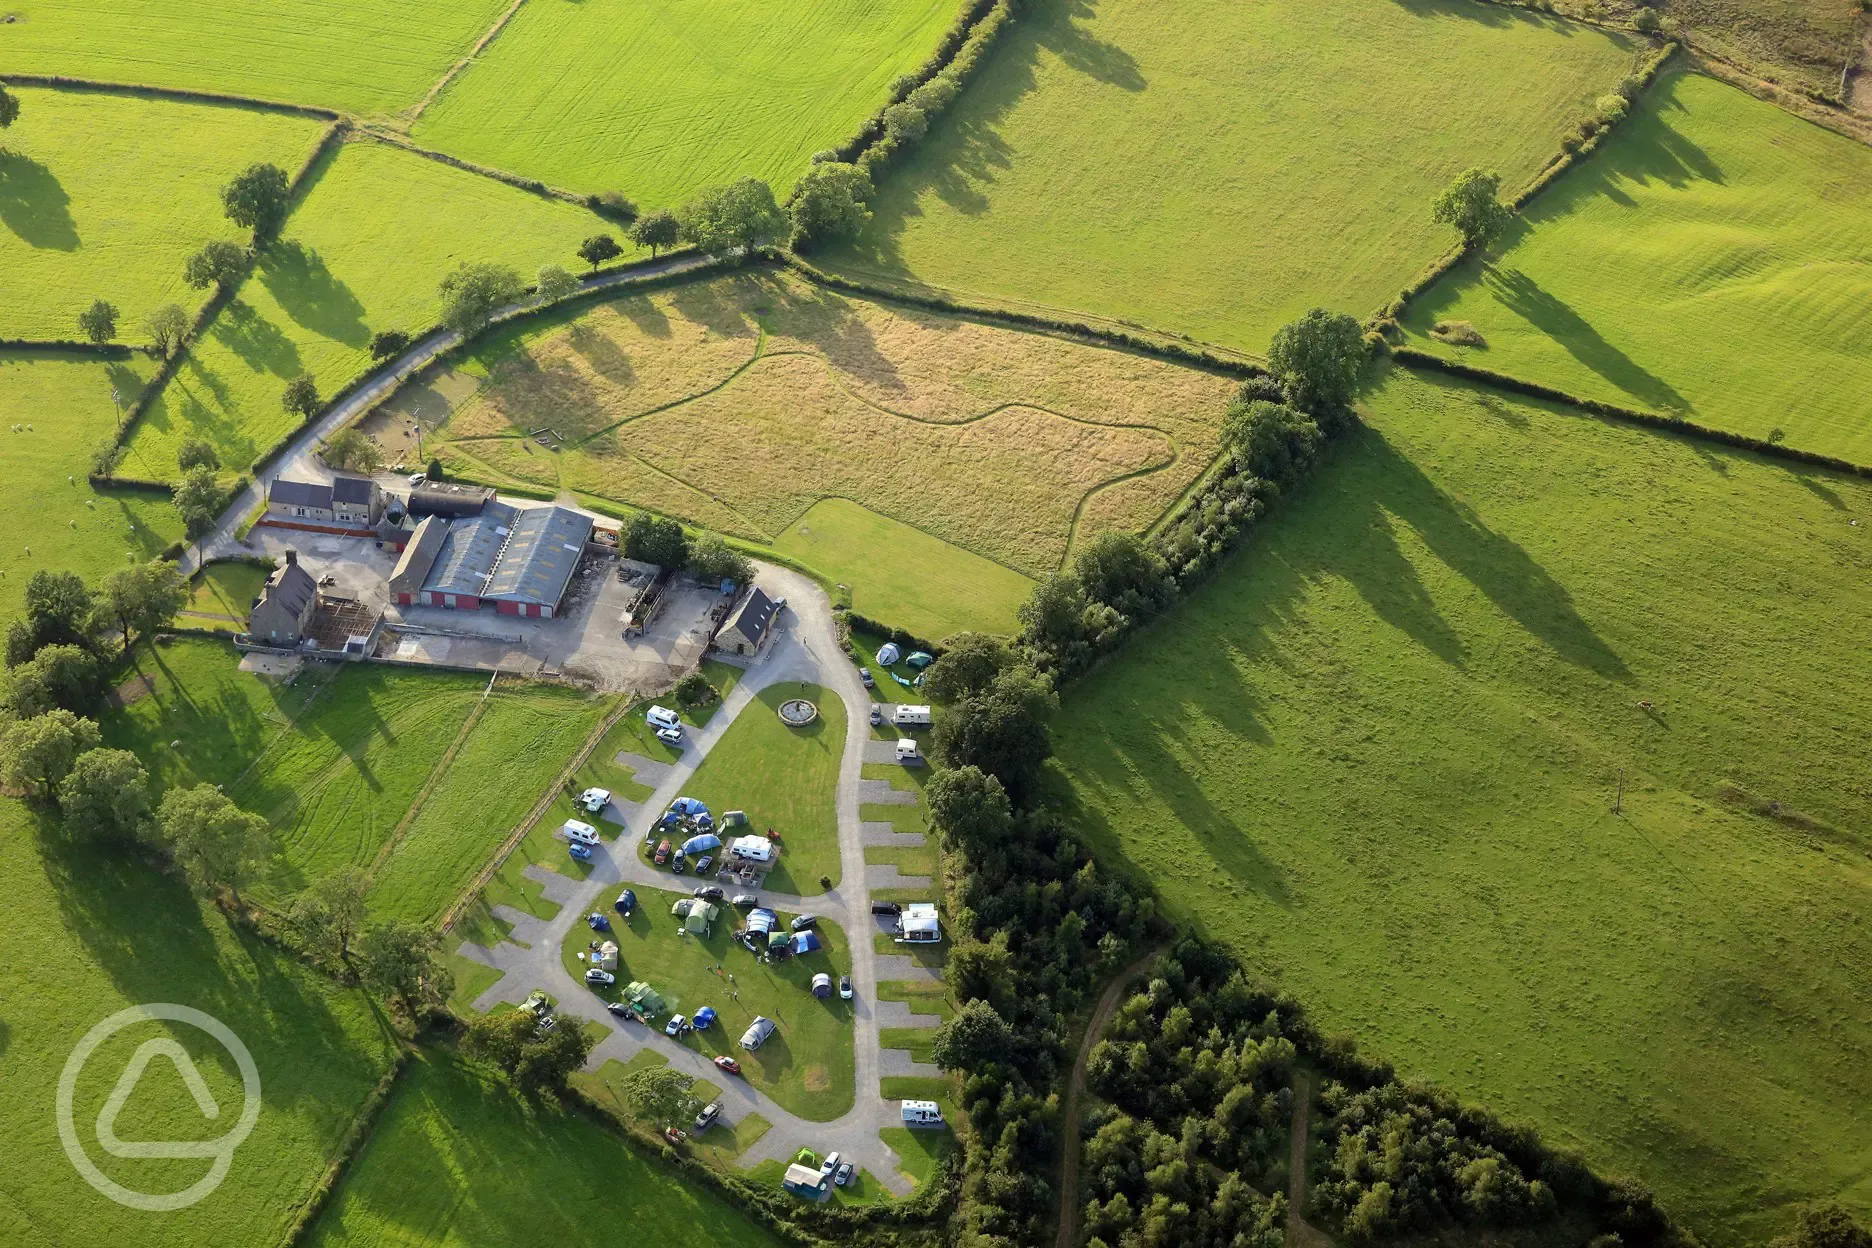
(702, 917)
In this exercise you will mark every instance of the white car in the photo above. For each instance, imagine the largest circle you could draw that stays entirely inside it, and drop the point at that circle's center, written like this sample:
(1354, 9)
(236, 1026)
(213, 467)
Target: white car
(594, 800)
(670, 736)
(599, 978)
(417, 478)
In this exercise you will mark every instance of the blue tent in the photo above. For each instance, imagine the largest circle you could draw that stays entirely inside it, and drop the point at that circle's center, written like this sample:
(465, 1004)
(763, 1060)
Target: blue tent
(703, 821)
(701, 844)
(920, 660)
(805, 942)
(669, 820)
(762, 921)
(704, 1018)
(688, 806)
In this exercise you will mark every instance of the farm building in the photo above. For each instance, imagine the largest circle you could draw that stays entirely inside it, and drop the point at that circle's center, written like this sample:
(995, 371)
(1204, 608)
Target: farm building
(517, 561)
(283, 611)
(748, 624)
(346, 501)
(441, 498)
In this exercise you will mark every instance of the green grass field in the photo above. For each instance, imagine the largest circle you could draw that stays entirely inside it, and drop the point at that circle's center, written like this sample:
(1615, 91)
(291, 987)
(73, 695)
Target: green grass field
(90, 933)
(105, 196)
(903, 575)
(806, 1067)
(376, 231)
(62, 406)
(221, 595)
(1218, 168)
(458, 1160)
(343, 54)
(1800, 42)
(513, 752)
(660, 99)
(785, 779)
(1715, 258)
(1378, 754)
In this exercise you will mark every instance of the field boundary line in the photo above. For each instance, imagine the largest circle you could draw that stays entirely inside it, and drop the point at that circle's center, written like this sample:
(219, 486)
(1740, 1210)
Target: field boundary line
(1068, 1220)
(434, 778)
(532, 186)
(66, 82)
(357, 1135)
(1420, 361)
(474, 54)
(518, 833)
(1841, 121)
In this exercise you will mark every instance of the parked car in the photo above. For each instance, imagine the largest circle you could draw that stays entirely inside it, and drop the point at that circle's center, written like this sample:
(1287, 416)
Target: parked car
(620, 1008)
(877, 714)
(747, 901)
(724, 1062)
(844, 1174)
(804, 921)
(864, 674)
(845, 988)
(594, 800)
(886, 907)
(830, 1164)
(676, 1026)
(678, 863)
(662, 852)
(709, 1114)
(581, 852)
(702, 865)
(599, 979)
(417, 478)
(626, 902)
(708, 892)
(669, 736)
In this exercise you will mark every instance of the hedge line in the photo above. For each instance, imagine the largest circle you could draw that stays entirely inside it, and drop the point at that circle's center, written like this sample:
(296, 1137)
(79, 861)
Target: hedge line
(74, 346)
(1195, 357)
(960, 31)
(905, 639)
(68, 83)
(363, 1124)
(1567, 157)
(531, 185)
(1413, 358)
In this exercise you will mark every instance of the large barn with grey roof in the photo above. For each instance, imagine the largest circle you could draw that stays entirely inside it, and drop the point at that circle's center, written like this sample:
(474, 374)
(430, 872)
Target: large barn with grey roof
(517, 560)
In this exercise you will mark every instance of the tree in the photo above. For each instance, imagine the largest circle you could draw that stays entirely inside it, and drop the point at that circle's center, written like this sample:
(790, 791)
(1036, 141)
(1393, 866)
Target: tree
(905, 123)
(106, 454)
(554, 284)
(612, 204)
(599, 248)
(167, 326)
(99, 321)
(734, 219)
(199, 499)
(197, 453)
(969, 663)
(141, 598)
(1002, 731)
(1825, 1226)
(474, 292)
(712, 559)
(694, 689)
(400, 961)
(659, 1096)
(538, 1065)
(1317, 360)
(970, 809)
(215, 842)
(1271, 440)
(829, 203)
(257, 198)
(351, 450)
(387, 344)
(1473, 205)
(656, 539)
(301, 397)
(106, 795)
(58, 610)
(219, 263)
(9, 107)
(975, 1037)
(327, 917)
(55, 676)
(658, 230)
(1123, 572)
(434, 471)
(36, 754)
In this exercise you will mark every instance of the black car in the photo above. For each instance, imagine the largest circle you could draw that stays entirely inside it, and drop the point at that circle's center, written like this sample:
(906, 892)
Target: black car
(710, 892)
(886, 907)
(805, 921)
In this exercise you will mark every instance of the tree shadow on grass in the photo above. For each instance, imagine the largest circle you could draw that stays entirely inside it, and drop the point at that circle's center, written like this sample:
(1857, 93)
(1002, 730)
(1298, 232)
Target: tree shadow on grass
(261, 345)
(1547, 312)
(34, 205)
(297, 277)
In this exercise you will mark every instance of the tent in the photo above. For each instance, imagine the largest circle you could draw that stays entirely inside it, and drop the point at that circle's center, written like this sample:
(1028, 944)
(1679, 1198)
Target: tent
(734, 818)
(806, 942)
(920, 660)
(822, 985)
(687, 806)
(705, 1018)
(779, 941)
(753, 848)
(761, 921)
(701, 917)
(701, 844)
(607, 956)
(888, 653)
(681, 908)
(644, 997)
(704, 821)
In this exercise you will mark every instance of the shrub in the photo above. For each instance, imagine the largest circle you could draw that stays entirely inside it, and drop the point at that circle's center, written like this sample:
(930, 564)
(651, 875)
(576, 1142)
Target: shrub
(387, 344)
(612, 205)
(905, 123)
(1458, 333)
(695, 690)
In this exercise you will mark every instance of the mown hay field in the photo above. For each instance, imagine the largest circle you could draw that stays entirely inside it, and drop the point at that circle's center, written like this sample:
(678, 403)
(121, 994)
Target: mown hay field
(61, 405)
(1379, 754)
(459, 1159)
(1803, 43)
(353, 55)
(741, 403)
(661, 98)
(1217, 168)
(91, 932)
(1714, 259)
(374, 234)
(104, 197)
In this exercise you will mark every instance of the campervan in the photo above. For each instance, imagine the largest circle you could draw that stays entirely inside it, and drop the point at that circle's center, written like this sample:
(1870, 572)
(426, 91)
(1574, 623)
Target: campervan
(663, 717)
(582, 833)
(911, 717)
(906, 750)
(922, 1114)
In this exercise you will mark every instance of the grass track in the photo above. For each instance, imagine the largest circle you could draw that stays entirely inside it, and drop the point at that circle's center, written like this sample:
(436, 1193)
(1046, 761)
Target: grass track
(105, 196)
(344, 54)
(377, 230)
(1217, 168)
(1715, 258)
(1377, 756)
(660, 98)
(458, 1160)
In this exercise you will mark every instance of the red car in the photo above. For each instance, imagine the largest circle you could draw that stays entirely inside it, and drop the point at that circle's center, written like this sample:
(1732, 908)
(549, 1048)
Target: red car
(662, 853)
(728, 1064)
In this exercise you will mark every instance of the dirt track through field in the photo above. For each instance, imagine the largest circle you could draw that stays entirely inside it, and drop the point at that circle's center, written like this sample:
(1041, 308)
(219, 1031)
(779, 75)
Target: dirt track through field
(1300, 1233)
(1075, 1086)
